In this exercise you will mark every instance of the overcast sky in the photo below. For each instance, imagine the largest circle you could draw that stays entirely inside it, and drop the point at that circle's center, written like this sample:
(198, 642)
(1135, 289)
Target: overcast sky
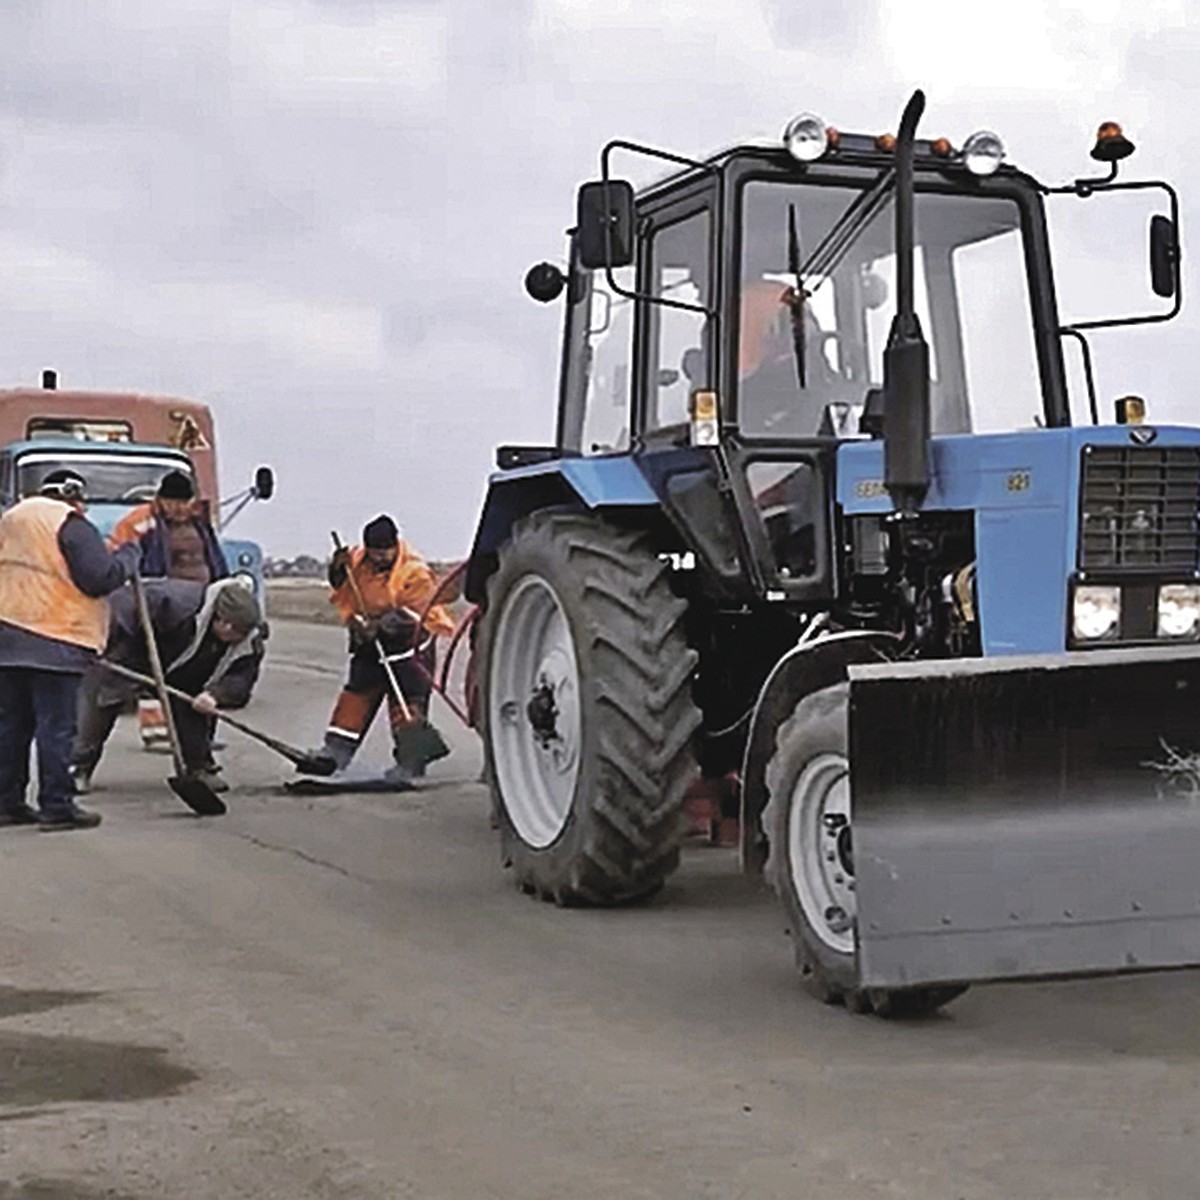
(315, 215)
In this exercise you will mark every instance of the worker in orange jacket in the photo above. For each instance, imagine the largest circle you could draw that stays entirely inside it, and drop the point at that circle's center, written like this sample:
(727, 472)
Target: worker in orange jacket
(386, 610)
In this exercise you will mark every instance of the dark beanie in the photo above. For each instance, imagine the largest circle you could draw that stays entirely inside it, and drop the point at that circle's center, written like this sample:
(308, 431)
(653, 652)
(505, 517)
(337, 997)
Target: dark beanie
(175, 485)
(380, 534)
(237, 605)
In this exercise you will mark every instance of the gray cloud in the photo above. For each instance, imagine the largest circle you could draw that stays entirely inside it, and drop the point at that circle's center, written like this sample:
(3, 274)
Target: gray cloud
(316, 214)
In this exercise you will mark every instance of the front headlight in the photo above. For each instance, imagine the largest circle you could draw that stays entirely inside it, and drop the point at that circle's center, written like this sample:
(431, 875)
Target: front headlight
(1178, 609)
(1095, 612)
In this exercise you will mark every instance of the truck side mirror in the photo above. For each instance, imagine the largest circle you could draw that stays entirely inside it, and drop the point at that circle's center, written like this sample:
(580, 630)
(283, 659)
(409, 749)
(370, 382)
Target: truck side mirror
(1164, 256)
(605, 224)
(264, 483)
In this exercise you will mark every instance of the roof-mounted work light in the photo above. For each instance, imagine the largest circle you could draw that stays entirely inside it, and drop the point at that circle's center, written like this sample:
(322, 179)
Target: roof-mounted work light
(807, 137)
(983, 152)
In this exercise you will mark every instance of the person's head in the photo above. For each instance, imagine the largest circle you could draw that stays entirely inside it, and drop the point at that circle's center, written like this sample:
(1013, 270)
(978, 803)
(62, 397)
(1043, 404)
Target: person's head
(236, 613)
(65, 484)
(176, 497)
(379, 542)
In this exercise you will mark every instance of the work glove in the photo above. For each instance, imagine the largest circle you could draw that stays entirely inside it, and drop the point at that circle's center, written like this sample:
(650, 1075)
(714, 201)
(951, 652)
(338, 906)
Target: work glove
(398, 629)
(363, 630)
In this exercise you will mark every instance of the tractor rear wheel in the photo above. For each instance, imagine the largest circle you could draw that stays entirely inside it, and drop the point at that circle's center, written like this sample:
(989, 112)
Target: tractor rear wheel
(586, 710)
(808, 823)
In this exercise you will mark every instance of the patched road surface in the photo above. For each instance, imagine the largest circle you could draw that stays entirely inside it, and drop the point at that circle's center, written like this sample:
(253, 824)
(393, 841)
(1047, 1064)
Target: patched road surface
(345, 997)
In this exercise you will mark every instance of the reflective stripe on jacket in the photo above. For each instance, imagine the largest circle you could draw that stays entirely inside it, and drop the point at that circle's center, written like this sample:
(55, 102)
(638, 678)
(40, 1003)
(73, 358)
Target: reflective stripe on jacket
(36, 589)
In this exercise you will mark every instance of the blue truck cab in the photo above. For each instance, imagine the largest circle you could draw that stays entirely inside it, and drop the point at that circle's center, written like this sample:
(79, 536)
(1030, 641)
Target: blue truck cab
(120, 475)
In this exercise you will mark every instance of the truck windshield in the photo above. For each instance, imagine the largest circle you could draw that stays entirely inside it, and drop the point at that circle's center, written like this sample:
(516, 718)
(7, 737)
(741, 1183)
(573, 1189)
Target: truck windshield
(972, 297)
(110, 478)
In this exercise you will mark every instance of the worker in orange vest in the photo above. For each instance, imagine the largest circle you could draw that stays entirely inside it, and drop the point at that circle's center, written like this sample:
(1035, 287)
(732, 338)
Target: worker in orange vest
(380, 590)
(54, 574)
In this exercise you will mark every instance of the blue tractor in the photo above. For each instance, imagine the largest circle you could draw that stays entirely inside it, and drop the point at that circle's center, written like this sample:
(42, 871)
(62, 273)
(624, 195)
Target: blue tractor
(855, 550)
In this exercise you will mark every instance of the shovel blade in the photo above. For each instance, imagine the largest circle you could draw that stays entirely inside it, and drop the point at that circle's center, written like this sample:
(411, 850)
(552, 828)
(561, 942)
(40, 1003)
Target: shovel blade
(1024, 817)
(197, 795)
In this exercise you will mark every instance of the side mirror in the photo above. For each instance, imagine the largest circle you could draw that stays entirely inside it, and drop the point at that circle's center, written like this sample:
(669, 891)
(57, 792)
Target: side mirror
(264, 483)
(605, 224)
(544, 282)
(1164, 256)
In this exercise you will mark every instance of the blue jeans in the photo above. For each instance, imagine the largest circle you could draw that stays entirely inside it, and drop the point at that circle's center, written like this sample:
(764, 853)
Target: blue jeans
(37, 706)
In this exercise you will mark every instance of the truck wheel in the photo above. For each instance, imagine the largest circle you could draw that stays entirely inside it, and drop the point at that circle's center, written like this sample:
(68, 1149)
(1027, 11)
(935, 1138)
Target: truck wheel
(808, 824)
(586, 710)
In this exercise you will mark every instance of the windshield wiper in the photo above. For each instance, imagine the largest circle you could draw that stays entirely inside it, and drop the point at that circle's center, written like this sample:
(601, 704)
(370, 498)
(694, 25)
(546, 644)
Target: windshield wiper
(858, 213)
(795, 297)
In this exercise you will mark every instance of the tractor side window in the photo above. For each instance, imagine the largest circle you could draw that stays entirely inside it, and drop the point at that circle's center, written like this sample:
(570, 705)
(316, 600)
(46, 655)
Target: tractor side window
(1003, 387)
(610, 364)
(679, 363)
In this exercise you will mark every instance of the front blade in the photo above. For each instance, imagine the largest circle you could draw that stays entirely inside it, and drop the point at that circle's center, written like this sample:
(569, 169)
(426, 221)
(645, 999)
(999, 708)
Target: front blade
(1026, 816)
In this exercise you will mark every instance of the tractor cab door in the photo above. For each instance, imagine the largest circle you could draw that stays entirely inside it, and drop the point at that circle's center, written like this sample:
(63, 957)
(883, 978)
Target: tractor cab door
(596, 393)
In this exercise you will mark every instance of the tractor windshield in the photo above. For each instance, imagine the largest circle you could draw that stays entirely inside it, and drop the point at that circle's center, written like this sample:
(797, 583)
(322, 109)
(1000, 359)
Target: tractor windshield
(972, 298)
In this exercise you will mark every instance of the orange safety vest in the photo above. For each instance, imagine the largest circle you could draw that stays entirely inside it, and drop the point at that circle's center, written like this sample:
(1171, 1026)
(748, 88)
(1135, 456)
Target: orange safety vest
(409, 584)
(36, 589)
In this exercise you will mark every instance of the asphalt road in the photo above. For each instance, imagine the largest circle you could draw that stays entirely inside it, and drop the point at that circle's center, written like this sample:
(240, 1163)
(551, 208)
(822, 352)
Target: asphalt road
(345, 997)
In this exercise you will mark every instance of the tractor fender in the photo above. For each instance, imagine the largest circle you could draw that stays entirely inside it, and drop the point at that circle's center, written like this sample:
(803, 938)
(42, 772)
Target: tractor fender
(805, 668)
(565, 483)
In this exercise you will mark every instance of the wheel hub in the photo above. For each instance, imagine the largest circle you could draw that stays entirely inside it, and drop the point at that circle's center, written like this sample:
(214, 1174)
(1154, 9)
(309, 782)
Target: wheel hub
(821, 849)
(534, 701)
(542, 714)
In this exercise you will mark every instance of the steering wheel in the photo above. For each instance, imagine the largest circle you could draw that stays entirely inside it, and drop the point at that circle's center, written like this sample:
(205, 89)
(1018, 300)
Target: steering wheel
(139, 494)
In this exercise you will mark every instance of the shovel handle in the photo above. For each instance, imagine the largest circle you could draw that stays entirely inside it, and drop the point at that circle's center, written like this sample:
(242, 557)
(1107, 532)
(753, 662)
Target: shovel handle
(159, 679)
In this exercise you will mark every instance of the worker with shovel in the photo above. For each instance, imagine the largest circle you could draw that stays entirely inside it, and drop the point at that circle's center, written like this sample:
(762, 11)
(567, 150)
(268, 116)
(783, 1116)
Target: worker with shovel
(207, 639)
(381, 590)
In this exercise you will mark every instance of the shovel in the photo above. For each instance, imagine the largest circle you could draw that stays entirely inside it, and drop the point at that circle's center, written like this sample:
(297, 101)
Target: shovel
(310, 764)
(195, 793)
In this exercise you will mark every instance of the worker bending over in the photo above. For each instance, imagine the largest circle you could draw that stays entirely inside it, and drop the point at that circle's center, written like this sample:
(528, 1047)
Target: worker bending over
(209, 640)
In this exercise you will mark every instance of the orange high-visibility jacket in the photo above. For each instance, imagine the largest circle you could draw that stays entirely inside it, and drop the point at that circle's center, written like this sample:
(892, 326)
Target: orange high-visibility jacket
(410, 584)
(133, 525)
(36, 589)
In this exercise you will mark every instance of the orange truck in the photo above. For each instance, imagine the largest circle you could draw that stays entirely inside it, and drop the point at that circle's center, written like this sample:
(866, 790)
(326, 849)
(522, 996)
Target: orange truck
(122, 444)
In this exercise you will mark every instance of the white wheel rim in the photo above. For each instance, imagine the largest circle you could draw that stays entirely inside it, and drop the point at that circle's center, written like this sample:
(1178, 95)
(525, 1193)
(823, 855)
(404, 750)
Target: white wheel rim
(819, 854)
(533, 711)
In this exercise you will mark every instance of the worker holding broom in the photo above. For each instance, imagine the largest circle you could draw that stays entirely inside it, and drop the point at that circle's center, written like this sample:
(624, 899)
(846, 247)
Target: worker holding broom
(382, 591)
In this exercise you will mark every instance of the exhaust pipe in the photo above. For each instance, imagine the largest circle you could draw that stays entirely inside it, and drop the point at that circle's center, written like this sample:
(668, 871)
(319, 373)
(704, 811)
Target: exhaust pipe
(906, 357)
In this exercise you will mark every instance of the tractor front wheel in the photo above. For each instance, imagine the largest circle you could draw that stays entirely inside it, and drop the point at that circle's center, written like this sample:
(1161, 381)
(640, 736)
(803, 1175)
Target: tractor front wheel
(586, 709)
(808, 822)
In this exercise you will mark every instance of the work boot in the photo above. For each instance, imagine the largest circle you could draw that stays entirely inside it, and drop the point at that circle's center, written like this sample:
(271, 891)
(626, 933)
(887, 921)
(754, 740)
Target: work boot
(71, 818)
(211, 778)
(18, 816)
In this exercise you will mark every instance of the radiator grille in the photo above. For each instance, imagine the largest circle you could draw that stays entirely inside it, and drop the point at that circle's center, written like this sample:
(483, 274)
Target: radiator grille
(1139, 508)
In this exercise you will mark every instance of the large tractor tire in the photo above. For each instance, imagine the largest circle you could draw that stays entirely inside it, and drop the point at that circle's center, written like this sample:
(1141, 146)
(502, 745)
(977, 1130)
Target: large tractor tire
(808, 823)
(586, 710)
